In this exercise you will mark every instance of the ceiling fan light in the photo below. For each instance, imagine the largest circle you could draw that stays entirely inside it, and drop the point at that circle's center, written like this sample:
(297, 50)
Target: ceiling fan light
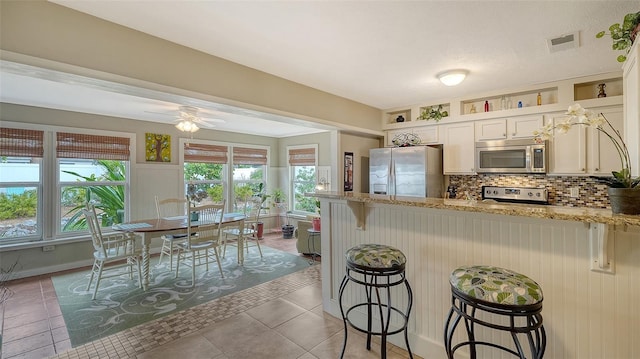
(453, 77)
(187, 126)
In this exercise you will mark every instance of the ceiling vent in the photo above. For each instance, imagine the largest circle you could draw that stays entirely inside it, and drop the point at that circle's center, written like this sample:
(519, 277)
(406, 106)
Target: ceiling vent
(564, 42)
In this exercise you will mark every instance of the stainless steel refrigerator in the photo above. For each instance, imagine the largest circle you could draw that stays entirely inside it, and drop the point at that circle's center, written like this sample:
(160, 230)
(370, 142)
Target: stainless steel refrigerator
(406, 171)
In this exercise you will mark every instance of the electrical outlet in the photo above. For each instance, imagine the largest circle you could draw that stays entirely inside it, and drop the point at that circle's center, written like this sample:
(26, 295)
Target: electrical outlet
(574, 192)
(48, 248)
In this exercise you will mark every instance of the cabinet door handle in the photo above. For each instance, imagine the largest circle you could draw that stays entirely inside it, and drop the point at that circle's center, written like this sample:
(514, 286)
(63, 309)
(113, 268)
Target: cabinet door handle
(504, 135)
(597, 169)
(582, 170)
(513, 134)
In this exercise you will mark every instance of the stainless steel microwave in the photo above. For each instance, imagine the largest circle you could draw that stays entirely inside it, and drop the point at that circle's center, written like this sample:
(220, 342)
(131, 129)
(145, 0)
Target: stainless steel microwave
(511, 156)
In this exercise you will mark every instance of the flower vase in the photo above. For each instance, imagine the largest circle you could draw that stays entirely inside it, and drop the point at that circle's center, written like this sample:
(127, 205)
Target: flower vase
(624, 200)
(316, 223)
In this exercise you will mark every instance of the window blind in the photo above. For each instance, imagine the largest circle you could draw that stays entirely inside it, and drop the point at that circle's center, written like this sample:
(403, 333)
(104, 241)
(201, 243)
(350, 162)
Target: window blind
(249, 156)
(302, 157)
(19, 142)
(198, 152)
(78, 145)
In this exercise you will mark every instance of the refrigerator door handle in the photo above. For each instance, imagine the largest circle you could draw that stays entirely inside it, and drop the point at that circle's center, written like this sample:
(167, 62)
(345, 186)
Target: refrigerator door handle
(392, 178)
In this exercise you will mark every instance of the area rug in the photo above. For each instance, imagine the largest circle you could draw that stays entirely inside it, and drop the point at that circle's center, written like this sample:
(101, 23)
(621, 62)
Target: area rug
(121, 304)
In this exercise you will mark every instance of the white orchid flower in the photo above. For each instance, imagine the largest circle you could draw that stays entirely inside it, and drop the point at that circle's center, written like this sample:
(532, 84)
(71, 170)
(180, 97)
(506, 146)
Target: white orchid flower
(575, 110)
(565, 126)
(596, 121)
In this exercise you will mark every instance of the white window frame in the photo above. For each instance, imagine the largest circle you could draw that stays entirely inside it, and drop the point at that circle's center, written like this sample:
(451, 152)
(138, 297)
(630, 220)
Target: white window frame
(49, 209)
(292, 180)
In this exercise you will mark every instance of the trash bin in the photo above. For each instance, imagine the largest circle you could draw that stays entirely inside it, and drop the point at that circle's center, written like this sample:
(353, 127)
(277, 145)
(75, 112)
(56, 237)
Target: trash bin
(287, 231)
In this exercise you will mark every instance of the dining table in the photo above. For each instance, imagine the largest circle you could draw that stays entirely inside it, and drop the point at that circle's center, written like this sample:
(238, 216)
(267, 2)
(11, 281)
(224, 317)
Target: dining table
(148, 229)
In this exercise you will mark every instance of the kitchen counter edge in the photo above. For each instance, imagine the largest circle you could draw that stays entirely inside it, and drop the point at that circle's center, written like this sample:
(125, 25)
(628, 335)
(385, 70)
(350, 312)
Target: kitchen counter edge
(577, 214)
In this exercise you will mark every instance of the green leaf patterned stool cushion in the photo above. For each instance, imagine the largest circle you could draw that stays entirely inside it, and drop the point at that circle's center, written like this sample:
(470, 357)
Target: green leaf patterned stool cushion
(376, 257)
(496, 285)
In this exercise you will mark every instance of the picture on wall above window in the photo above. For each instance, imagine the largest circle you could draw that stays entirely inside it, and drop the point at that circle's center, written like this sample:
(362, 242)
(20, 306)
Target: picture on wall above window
(348, 171)
(157, 147)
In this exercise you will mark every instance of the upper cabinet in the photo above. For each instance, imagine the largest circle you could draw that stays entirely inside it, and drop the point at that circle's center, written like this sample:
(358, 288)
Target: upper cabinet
(585, 150)
(458, 148)
(508, 128)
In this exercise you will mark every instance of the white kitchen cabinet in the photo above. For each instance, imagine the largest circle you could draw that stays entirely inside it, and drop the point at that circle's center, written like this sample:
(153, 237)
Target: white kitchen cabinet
(584, 150)
(602, 157)
(508, 128)
(491, 129)
(426, 134)
(523, 127)
(568, 151)
(459, 148)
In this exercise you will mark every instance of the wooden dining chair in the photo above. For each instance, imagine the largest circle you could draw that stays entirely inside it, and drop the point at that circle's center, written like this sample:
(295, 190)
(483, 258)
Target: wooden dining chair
(203, 239)
(111, 252)
(168, 208)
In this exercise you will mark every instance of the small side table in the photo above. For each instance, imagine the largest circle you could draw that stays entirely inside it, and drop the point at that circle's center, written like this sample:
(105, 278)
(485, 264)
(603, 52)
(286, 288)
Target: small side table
(311, 241)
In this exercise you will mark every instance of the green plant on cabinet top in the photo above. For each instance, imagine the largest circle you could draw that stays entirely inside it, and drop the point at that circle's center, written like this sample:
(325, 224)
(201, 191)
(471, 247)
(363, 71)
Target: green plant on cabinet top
(432, 113)
(623, 35)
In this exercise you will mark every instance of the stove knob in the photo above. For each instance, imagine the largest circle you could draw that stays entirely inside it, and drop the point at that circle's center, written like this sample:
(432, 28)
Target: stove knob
(530, 194)
(538, 194)
(495, 191)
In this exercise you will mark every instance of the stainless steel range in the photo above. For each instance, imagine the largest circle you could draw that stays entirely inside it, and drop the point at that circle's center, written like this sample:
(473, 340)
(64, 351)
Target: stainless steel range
(515, 194)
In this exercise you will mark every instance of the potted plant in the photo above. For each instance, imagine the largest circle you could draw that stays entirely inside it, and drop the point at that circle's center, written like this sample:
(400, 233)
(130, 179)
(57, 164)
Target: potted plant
(624, 190)
(195, 196)
(623, 35)
(316, 219)
(433, 113)
(278, 196)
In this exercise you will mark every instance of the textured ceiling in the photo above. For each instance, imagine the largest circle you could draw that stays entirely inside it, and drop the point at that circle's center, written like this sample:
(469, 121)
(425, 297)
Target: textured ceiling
(385, 53)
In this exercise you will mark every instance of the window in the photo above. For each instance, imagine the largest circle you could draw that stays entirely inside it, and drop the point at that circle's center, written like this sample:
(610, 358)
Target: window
(205, 168)
(94, 169)
(46, 177)
(21, 153)
(302, 168)
(249, 165)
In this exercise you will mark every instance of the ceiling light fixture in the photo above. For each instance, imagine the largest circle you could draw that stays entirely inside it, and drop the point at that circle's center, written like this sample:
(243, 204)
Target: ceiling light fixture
(188, 118)
(187, 126)
(452, 77)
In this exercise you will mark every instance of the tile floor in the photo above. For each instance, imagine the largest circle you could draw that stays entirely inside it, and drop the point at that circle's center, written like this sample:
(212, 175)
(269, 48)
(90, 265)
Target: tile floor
(279, 319)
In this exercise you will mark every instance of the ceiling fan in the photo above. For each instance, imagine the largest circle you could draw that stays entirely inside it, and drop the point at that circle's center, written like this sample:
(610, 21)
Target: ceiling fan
(188, 119)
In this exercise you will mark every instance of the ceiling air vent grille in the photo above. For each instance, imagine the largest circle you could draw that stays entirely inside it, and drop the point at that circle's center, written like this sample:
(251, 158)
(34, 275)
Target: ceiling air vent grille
(564, 42)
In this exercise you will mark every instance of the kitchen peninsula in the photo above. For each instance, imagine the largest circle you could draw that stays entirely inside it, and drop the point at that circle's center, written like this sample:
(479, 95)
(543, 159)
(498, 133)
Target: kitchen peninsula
(587, 262)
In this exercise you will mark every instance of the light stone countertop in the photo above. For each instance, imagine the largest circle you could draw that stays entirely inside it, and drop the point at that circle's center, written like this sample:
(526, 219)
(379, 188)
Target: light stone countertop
(577, 214)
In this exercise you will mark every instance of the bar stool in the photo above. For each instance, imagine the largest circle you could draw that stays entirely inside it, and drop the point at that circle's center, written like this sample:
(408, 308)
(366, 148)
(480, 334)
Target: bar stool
(501, 292)
(380, 267)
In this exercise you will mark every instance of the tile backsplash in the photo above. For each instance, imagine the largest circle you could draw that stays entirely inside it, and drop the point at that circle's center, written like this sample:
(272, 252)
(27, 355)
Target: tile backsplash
(591, 193)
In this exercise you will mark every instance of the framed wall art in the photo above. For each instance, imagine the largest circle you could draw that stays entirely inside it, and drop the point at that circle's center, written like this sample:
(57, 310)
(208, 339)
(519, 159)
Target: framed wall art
(348, 171)
(157, 147)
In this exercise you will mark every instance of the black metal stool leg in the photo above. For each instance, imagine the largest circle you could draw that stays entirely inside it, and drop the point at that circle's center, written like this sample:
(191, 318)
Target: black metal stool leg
(345, 280)
(406, 320)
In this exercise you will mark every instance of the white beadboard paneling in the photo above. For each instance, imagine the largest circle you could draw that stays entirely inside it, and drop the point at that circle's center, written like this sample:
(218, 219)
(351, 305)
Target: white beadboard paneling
(586, 314)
